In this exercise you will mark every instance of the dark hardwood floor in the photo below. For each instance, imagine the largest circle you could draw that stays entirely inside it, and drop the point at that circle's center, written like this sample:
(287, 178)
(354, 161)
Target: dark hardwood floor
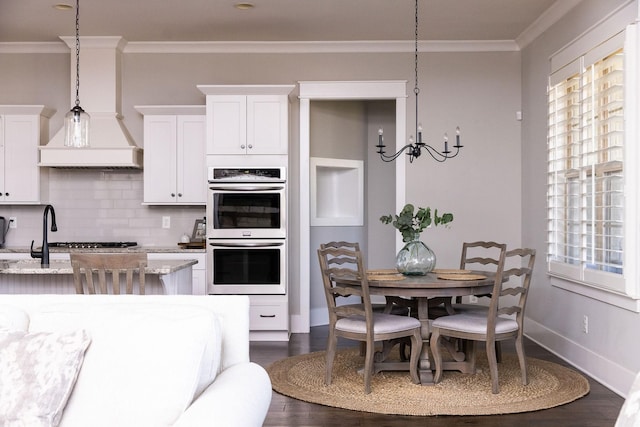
(599, 408)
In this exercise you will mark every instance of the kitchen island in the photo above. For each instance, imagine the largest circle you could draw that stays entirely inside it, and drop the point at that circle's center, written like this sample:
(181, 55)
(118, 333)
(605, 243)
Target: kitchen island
(27, 276)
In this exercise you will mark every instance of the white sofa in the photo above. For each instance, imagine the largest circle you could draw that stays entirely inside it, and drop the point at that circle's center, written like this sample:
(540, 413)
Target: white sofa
(129, 360)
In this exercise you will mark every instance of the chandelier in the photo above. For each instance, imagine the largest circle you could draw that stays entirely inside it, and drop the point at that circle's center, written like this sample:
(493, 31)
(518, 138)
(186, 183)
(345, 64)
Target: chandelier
(76, 121)
(414, 147)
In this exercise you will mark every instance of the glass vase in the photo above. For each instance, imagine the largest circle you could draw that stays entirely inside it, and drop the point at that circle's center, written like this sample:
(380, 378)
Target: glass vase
(415, 258)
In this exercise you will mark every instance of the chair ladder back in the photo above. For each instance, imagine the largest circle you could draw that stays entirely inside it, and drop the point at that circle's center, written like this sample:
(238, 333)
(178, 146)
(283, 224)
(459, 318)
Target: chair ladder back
(108, 266)
(490, 255)
(519, 290)
(487, 253)
(348, 257)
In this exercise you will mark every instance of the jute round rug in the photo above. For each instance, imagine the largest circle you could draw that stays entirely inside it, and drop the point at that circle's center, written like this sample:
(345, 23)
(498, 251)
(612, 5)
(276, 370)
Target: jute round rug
(302, 377)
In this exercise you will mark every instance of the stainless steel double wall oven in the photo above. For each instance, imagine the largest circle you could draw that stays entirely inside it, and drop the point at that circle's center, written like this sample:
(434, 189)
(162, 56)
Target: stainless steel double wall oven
(246, 230)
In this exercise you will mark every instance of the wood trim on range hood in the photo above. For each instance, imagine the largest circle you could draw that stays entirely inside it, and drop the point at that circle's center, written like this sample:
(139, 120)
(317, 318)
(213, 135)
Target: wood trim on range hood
(111, 145)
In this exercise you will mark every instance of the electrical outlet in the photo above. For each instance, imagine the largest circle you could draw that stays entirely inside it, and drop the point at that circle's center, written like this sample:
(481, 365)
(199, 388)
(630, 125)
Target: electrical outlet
(473, 299)
(585, 324)
(166, 222)
(13, 222)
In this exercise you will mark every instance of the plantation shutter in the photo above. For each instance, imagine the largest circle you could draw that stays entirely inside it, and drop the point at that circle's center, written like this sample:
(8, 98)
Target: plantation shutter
(585, 180)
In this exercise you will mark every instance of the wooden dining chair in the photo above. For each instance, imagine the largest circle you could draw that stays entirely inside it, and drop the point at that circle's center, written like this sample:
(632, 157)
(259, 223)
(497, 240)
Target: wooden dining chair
(108, 268)
(481, 256)
(344, 275)
(504, 319)
(483, 253)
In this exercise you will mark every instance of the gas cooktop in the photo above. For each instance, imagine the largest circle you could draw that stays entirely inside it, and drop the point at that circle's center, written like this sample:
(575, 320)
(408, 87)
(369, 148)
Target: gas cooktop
(92, 245)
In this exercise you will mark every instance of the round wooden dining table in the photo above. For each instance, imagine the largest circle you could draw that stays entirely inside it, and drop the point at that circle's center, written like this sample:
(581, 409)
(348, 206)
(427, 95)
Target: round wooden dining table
(421, 289)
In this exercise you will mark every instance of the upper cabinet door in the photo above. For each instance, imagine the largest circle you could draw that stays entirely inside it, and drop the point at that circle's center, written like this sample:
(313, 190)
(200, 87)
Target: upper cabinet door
(191, 172)
(19, 141)
(227, 120)
(267, 124)
(160, 159)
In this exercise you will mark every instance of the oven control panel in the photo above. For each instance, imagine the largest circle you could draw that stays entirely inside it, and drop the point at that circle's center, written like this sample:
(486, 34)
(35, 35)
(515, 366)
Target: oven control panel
(238, 174)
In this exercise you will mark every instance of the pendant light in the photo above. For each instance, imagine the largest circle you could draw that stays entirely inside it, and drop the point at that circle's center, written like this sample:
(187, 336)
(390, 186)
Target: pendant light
(414, 148)
(76, 121)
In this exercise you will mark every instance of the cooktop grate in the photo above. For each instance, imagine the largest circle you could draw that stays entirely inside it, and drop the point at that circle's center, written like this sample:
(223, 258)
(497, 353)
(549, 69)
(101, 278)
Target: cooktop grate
(92, 245)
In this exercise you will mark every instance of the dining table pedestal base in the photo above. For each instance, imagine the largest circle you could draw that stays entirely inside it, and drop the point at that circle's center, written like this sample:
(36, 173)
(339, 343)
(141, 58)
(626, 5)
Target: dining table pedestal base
(421, 289)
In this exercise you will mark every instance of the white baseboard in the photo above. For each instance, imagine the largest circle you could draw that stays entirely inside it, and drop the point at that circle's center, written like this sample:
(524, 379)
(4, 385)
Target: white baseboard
(610, 374)
(269, 335)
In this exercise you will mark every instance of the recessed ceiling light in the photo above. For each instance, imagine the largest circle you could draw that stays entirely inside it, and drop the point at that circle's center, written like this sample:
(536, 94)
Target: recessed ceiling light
(244, 6)
(62, 6)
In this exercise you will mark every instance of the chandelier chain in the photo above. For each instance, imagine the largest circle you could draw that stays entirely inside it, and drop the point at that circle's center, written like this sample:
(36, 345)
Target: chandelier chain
(77, 52)
(416, 89)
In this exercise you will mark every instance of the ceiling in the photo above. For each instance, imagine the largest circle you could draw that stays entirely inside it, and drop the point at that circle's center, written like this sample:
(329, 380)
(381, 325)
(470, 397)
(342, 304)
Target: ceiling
(270, 20)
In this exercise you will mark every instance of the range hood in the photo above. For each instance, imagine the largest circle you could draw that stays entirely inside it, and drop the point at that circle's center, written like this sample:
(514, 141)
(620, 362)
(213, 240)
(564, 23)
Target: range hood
(111, 145)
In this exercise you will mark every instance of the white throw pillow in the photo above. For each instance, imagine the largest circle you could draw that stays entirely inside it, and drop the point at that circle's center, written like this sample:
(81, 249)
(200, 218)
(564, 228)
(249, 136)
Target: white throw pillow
(13, 318)
(144, 364)
(37, 374)
(629, 415)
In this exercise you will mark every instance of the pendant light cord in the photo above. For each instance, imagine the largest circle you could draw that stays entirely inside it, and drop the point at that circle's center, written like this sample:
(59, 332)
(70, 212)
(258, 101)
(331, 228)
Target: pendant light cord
(77, 53)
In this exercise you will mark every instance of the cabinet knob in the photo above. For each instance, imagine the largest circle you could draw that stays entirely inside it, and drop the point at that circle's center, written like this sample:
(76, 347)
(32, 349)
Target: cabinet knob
(173, 194)
(250, 146)
(179, 194)
(242, 146)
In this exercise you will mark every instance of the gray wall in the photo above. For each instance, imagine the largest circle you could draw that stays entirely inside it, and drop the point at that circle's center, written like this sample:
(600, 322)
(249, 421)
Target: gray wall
(340, 130)
(480, 91)
(337, 131)
(609, 351)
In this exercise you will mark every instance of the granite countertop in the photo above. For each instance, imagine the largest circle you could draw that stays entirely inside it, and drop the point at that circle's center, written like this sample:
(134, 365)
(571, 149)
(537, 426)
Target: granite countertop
(32, 266)
(143, 249)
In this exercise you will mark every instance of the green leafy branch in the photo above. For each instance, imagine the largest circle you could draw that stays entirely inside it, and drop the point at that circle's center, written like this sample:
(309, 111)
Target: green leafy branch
(410, 224)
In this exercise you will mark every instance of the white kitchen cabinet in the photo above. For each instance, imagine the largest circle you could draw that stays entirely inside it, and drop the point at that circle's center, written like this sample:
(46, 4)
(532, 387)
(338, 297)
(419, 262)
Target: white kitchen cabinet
(247, 119)
(269, 318)
(54, 283)
(22, 129)
(174, 155)
(198, 271)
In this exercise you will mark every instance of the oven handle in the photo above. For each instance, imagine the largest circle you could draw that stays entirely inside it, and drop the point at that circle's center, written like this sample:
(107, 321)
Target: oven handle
(246, 245)
(247, 188)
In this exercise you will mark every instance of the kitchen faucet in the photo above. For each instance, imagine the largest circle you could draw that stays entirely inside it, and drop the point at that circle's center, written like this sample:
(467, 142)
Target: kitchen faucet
(44, 252)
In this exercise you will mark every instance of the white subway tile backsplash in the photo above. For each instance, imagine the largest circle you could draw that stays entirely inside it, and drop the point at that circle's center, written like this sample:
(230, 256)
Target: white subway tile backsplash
(100, 205)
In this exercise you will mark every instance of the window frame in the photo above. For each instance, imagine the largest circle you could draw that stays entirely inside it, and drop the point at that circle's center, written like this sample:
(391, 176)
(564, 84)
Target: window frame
(619, 289)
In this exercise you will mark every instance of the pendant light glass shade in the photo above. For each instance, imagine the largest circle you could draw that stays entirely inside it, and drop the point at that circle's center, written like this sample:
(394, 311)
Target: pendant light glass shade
(76, 121)
(76, 126)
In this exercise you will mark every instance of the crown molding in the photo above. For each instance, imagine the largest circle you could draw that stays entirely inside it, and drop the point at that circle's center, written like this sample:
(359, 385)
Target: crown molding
(364, 46)
(550, 16)
(33, 47)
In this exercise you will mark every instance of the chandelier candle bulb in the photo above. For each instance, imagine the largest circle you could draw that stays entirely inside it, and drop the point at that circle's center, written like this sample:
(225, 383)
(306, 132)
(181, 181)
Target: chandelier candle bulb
(380, 145)
(458, 137)
(446, 144)
(419, 133)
